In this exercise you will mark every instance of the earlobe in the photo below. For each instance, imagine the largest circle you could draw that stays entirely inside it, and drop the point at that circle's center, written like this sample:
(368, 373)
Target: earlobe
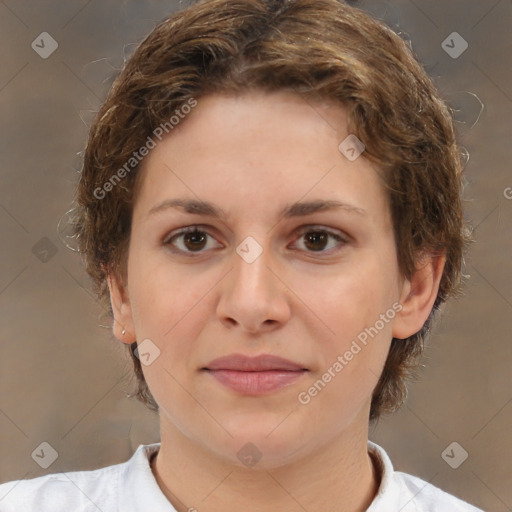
(121, 309)
(418, 296)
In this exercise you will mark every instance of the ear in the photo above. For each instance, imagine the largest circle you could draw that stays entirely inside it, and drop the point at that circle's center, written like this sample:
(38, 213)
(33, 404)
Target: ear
(121, 307)
(418, 295)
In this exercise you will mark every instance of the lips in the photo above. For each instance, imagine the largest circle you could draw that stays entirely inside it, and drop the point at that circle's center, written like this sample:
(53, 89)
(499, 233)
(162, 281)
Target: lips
(254, 375)
(261, 363)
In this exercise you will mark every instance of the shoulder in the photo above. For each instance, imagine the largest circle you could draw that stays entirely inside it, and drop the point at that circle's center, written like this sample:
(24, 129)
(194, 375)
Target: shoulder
(408, 493)
(84, 491)
(429, 498)
(76, 490)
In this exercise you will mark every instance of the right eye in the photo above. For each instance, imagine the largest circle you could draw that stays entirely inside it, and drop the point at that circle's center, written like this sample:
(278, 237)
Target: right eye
(188, 240)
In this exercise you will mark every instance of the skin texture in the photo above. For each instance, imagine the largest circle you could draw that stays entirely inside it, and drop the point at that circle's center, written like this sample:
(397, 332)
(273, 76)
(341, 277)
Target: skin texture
(306, 301)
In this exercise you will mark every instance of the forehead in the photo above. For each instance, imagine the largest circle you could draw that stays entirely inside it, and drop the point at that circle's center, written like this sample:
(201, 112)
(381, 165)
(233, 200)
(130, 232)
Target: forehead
(260, 152)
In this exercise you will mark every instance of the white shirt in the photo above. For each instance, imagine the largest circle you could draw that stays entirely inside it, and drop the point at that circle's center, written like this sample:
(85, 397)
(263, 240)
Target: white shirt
(131, 487)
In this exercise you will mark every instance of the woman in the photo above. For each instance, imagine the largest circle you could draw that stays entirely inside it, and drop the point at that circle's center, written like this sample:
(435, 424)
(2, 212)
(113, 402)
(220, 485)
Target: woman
(270, 204)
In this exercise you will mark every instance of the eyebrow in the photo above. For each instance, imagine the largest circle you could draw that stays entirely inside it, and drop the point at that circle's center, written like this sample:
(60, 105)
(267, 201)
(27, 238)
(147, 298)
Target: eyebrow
(298, 209)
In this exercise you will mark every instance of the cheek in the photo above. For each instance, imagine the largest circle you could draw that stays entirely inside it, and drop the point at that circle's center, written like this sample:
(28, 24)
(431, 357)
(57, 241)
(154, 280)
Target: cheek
(161, 294)
(172, 315)
(349, 322)
(344, 300)
(170, 306)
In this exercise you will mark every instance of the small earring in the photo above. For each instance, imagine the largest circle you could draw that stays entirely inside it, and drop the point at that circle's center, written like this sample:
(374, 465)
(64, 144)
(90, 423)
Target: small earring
(123, 332)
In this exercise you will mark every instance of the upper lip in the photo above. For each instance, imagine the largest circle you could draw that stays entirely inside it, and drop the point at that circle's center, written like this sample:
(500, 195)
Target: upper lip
(261, 363)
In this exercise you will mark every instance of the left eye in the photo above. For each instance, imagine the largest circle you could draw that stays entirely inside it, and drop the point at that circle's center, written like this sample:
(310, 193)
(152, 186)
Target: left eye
(316, 240)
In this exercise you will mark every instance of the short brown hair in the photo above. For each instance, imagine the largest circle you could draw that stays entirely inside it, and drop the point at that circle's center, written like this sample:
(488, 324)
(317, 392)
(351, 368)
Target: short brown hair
(318, 49)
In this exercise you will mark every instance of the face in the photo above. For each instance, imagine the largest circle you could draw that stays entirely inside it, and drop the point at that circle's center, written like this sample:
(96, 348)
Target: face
(259, 275)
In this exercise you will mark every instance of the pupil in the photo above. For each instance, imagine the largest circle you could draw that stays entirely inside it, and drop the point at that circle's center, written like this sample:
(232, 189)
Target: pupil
(316, 237)
(194, 237)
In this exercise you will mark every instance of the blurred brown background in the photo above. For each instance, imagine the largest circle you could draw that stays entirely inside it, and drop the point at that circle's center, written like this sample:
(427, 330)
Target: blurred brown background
(64, 379)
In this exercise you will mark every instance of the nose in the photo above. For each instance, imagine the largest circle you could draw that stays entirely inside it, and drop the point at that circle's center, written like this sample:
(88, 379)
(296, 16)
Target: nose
(254, 295)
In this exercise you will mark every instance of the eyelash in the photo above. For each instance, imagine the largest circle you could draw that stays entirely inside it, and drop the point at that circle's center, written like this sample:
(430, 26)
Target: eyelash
(196, 229)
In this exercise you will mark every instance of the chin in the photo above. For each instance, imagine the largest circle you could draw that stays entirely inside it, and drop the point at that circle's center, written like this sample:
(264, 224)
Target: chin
(262, 445)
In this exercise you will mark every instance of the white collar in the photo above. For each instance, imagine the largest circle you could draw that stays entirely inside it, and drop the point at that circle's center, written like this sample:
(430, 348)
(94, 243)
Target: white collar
(139, 490)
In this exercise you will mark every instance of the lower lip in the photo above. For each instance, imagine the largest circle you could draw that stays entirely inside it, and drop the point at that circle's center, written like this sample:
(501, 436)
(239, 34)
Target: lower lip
(256, 383)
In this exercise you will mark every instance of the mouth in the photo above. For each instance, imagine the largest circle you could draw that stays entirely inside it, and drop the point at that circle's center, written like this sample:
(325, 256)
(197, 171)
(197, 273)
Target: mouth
(254, 375)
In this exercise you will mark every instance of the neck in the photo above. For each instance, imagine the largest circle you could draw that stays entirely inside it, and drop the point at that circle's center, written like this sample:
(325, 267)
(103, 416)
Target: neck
(193, 478)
